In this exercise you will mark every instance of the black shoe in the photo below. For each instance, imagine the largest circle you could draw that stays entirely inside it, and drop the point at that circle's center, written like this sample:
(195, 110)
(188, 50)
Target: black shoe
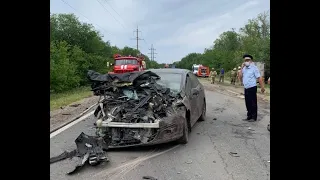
(252, 120)
(246, 119)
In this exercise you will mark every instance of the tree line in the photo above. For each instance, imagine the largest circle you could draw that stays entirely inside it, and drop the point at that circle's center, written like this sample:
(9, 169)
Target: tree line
(227, 50)
(76, 47)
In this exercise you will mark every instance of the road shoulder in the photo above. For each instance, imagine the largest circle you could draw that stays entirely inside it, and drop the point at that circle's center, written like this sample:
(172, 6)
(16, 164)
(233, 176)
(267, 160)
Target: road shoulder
(68, 113)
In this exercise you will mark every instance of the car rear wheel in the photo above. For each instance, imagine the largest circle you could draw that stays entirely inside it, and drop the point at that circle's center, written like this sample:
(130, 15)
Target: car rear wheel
(203, 114)
(185, 137)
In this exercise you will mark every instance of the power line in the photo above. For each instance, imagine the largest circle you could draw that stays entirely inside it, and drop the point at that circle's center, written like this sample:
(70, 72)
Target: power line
(110, 13)
(124, 21)
(137, 37)
(85, 16)
(114, 10)
(144, 40)
(152, 53)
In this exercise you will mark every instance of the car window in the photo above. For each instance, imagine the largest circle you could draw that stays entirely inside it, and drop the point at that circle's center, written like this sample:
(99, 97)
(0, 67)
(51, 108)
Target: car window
(188, 85)
(125, 61)
(170, 80)
(194, 80)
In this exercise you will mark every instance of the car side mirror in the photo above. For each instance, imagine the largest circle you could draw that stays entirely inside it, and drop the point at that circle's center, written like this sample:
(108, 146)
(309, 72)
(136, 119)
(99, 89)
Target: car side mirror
(194, 91)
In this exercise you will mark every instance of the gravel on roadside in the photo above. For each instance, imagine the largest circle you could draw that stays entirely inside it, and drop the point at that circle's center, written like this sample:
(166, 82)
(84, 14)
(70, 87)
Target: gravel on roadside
(67, 113)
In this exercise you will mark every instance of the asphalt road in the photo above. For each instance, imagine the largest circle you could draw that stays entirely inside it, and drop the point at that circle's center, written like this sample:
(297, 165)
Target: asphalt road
(206, 156)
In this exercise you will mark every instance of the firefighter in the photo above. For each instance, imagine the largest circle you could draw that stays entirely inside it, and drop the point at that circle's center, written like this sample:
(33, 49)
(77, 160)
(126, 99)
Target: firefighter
(233, 76)
(238, 76)
(144, 66)
(213, 75)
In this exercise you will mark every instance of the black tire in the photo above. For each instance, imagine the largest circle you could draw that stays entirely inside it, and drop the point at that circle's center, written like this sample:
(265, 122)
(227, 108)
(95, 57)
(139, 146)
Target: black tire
(204, 110)
(185, 137)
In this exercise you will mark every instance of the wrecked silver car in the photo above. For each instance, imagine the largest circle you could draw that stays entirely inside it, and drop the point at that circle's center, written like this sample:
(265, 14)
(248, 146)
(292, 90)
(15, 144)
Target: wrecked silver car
(137, 109)
(149, 107)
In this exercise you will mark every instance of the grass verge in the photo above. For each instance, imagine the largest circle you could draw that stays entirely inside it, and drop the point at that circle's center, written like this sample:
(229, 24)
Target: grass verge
(58, 100)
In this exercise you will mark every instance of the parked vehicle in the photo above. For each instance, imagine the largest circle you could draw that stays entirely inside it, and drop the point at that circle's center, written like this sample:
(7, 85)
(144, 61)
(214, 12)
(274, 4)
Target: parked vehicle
(123, 64)
(200, 70)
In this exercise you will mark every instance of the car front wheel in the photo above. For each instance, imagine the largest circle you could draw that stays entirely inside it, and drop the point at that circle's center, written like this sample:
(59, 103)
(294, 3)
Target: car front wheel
(203, 114)
(185, 137)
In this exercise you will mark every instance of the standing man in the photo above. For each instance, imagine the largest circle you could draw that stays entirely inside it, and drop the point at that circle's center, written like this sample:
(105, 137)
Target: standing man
(213, 75)
(221, 75)
(233, 76)
(249, 75)
(239, 82)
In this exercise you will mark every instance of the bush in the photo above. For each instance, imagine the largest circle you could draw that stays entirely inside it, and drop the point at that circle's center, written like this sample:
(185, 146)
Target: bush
(63, 74)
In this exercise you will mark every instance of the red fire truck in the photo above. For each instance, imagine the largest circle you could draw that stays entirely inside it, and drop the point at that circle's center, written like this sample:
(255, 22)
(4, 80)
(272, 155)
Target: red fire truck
(200, 70)
(123, 64)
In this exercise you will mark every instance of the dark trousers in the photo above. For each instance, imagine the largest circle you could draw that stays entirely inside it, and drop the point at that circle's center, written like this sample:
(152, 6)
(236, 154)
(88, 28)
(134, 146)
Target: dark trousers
(221, 78)
(250, 95)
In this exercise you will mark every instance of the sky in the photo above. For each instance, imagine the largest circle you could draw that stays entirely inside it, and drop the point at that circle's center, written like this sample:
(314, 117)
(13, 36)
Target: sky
(175, 28)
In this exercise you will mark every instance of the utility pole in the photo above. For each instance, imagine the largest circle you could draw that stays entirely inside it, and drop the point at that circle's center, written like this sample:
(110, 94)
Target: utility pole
(137, 37)
(152, 53)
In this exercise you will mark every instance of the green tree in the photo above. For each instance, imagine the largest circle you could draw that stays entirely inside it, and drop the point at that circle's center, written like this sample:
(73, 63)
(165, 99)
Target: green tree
(63, 74)
(75, 48)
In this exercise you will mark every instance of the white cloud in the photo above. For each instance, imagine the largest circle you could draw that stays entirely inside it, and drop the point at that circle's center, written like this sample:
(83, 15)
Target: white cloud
(204, 32)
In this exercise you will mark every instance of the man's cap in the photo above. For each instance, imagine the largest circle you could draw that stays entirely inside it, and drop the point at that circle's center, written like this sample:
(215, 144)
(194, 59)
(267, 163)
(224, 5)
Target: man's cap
(234, 69)
(239, 67)
(247, 56)
(212, 68)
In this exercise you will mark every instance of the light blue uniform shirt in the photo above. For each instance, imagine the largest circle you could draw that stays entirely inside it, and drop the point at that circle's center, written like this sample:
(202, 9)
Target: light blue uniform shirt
(250, 75)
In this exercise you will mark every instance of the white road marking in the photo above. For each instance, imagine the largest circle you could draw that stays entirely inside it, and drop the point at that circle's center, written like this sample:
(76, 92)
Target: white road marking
(127, 167)
(53, 134)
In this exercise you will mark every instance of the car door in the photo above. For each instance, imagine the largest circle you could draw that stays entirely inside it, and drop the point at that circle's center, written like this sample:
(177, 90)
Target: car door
(201, 96)
(195, 93)
(191, 98)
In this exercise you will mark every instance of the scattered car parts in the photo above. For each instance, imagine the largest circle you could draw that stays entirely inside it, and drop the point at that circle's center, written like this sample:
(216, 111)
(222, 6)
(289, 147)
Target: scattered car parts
(89, 148)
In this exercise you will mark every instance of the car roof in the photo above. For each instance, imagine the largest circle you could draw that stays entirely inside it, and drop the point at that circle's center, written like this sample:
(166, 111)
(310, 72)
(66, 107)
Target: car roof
(170, 70)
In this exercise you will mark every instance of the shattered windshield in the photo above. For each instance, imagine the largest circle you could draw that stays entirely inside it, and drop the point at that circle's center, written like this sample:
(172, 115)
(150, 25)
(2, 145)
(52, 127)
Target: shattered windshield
(172, 81)
(126, 61)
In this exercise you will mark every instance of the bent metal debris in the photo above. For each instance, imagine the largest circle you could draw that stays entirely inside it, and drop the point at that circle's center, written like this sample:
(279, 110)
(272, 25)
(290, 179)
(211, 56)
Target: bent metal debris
(132, 107)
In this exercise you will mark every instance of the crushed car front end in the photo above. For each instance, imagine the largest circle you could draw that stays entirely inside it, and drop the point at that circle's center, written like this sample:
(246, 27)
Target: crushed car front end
(162, 130)
(136, 111)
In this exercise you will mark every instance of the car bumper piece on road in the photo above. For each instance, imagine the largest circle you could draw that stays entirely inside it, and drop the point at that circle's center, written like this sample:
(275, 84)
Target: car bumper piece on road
(89, 149)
